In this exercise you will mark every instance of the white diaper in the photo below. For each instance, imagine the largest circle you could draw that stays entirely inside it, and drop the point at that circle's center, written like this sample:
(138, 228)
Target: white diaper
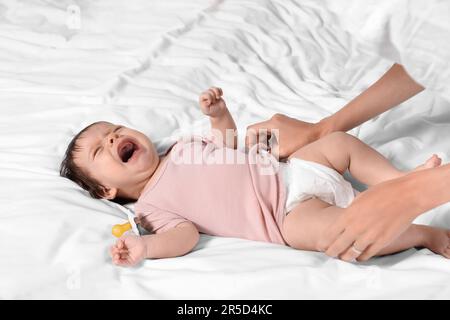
(305, 180)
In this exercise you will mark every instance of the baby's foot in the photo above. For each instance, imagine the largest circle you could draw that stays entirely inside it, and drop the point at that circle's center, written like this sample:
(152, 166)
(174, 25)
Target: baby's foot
(437, 240)
(433, 162)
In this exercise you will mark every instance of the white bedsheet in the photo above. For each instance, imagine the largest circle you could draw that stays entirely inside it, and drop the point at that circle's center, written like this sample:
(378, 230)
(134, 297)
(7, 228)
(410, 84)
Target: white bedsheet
(143, 63)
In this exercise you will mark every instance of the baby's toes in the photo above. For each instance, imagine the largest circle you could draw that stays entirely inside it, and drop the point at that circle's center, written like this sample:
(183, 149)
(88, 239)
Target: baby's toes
(448, 240)
(438, 241)
(437, 161)
(446, 251)
(433, 162)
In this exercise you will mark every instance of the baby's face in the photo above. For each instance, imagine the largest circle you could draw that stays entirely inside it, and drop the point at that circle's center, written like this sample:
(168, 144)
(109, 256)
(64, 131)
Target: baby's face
(118, 157)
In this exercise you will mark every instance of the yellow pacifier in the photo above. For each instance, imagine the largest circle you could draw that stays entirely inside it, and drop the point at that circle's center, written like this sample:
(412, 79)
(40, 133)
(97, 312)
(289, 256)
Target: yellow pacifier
(119, 229)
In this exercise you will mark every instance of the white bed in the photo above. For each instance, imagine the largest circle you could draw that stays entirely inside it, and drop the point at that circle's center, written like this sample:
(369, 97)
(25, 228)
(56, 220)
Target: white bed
(143, 63)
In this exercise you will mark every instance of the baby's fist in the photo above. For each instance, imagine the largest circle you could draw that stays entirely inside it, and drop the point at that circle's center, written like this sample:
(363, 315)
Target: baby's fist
(128, 251)
(211, 102)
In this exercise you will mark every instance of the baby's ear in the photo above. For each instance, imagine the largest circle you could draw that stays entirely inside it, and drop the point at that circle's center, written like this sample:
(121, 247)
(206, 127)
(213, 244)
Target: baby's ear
(110, 193)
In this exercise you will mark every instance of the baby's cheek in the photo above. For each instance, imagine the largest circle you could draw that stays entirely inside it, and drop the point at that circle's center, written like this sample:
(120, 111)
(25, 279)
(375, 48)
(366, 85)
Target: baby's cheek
(120, 175)
(111, 173)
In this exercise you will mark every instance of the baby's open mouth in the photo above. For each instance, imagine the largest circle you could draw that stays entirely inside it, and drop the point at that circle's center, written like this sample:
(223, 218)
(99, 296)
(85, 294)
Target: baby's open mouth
(126, 149)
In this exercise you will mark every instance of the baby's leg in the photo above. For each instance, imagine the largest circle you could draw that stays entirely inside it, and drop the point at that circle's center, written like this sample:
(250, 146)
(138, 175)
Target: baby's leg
(305, 224)
(341, 151)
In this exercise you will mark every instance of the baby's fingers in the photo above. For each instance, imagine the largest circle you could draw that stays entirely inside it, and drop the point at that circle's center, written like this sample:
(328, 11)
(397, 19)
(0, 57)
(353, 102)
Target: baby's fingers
(113, 250)
(121, 262)
(216, 92)
(116, 258)
(206, 99)
(120, 244)
(119, 255)
(124, 260)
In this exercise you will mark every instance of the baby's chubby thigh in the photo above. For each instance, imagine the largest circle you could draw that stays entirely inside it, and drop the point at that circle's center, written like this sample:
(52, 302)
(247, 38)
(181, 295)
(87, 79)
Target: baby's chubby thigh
(312, 152)
(329, 151)
(306, 223)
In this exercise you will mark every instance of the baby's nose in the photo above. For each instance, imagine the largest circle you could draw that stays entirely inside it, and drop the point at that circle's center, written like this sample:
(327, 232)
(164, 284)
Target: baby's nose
(111, 138)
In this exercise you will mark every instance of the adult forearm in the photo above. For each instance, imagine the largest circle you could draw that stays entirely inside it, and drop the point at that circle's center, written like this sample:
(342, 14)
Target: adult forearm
(394, 87)
(427, 189)
(410, 195)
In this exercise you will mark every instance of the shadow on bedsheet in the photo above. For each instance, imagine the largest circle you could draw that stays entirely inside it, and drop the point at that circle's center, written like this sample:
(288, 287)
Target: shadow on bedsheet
(390, 260)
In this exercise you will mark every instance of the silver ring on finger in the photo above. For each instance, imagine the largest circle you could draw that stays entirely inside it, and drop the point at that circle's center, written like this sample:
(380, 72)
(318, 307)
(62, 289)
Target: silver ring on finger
(356, 250)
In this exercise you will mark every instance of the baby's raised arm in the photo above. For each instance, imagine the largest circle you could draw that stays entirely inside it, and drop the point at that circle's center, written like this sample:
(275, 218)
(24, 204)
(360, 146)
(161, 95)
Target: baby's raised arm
(178, 241)
(222, 123)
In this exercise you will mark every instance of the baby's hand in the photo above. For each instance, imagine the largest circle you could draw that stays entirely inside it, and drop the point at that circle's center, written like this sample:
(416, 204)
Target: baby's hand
(211, 102)
(128, 251)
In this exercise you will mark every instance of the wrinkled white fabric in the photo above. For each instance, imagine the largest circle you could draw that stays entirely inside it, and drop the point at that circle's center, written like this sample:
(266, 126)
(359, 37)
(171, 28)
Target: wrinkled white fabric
(142, 64)
(413, 33)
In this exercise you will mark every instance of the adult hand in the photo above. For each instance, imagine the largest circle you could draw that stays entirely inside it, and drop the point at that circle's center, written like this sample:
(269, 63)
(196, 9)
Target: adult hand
(292, 134)
(373, 220)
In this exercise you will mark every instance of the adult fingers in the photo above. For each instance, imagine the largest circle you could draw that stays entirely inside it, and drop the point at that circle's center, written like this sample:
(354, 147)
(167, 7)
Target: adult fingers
(341, 244)
(355, 250)
(371, 250)
(350, 255)
(330, 235)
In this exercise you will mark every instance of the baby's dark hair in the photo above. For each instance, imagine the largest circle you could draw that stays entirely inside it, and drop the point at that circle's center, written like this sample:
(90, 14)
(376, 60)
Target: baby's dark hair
(70, 170)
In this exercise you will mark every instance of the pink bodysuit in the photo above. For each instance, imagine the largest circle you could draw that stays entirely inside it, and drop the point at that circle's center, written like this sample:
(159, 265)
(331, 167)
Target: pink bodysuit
(222, 191)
